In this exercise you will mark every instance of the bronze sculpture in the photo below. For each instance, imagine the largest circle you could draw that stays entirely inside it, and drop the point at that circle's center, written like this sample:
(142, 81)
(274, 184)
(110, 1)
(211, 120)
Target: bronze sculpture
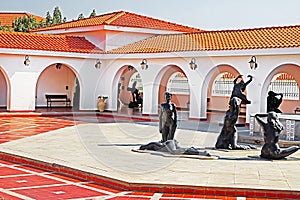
(228, 136)
(271, 131)
(273, 101)
(239, 88)
(167, 118)
(172, 147)
(167, 127)
(136, 97)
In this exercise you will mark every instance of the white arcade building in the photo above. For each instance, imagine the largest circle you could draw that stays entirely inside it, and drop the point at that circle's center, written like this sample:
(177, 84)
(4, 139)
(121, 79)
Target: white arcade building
(105, 54)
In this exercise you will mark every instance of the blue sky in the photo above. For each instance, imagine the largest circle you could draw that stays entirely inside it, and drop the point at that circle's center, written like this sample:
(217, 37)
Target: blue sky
(203, 14)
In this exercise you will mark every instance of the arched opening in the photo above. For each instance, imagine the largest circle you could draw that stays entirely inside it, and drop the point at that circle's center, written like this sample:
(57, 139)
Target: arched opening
(282, 75)
(130, 90)
(4, 91)
(286, 84)
(220, 88)
(223, 84)
(175, 81)
(217, 89)
(58, 79)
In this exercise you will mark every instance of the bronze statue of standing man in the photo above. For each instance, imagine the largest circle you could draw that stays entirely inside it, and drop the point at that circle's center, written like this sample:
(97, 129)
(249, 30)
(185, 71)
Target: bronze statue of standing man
(167, 118)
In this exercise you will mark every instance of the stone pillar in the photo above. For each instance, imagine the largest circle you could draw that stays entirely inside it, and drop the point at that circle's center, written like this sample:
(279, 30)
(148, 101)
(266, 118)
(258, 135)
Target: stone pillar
(150, 100)
(253, 95)
(22, 94)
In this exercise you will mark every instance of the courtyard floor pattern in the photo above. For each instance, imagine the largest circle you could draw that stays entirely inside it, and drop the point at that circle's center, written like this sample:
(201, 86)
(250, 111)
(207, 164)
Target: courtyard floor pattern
(20, 181)
(13, 128)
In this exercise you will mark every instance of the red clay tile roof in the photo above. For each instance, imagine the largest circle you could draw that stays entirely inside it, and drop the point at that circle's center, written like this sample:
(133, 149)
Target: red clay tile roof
(124, 19)
(6, 18)
(45, 42)
(260, 38)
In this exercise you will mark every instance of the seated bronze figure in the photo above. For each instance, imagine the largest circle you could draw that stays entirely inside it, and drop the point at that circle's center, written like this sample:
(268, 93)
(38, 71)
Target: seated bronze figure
(271, 131)
(228, 136)
(273, 101)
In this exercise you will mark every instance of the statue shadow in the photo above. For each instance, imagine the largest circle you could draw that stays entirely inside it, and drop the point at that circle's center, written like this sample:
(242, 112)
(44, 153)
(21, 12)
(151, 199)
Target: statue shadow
(118, 145)
(250, 158)
(256, 158)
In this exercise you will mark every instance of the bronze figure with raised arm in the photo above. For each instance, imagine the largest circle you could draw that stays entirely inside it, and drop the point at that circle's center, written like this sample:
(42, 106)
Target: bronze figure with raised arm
(239, 88)
(271, 130)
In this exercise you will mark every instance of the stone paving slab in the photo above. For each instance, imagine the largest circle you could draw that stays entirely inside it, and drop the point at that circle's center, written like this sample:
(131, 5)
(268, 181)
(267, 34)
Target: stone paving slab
(106, 149)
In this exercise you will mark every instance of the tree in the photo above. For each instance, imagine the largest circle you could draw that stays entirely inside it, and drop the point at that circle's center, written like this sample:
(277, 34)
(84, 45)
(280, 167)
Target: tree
(24, 24)
(57, 17)
(41, 24)
(80, 16)
(49, 19)
(93, 14)
(4, 28)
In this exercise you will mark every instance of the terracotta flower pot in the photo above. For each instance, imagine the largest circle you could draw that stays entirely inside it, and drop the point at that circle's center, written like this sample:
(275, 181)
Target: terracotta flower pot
(101, 104)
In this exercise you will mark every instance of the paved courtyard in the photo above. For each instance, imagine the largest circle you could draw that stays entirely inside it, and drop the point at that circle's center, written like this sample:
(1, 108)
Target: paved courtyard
(103, 152)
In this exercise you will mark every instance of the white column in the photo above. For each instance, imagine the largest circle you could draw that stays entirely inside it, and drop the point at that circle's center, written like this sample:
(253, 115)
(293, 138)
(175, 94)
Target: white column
(23, 86)
(195, 102)
(150, 99)
(253, 95)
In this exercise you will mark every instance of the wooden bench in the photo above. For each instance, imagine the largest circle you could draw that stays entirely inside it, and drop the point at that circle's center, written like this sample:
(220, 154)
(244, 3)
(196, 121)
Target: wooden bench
(57, 98)
(297, 110)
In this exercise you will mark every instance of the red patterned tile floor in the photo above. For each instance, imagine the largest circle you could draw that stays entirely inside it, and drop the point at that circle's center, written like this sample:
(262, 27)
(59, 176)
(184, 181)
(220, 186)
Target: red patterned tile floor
(23, 182)
(19, 181)
(13, 128)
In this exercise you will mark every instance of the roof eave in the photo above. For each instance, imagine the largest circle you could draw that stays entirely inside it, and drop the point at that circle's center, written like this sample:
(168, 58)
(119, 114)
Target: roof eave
(108, 28)
(211, 53)
(50, 53)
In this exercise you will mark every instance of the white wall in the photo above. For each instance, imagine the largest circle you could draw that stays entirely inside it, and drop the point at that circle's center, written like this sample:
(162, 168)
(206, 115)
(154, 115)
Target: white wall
(23, 91)
(115, 39)
(103, 81)
(23, 80)
(107, 40)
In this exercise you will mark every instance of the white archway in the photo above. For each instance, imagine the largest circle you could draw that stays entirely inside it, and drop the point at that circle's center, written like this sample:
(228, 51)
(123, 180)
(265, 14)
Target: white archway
(4, 90)
(207, 84)
(288, 68)
(160, 85)
(58, 78)
(120, 84)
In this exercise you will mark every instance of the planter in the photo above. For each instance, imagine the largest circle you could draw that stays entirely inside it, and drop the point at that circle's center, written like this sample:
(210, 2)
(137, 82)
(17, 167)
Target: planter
(102, 103)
